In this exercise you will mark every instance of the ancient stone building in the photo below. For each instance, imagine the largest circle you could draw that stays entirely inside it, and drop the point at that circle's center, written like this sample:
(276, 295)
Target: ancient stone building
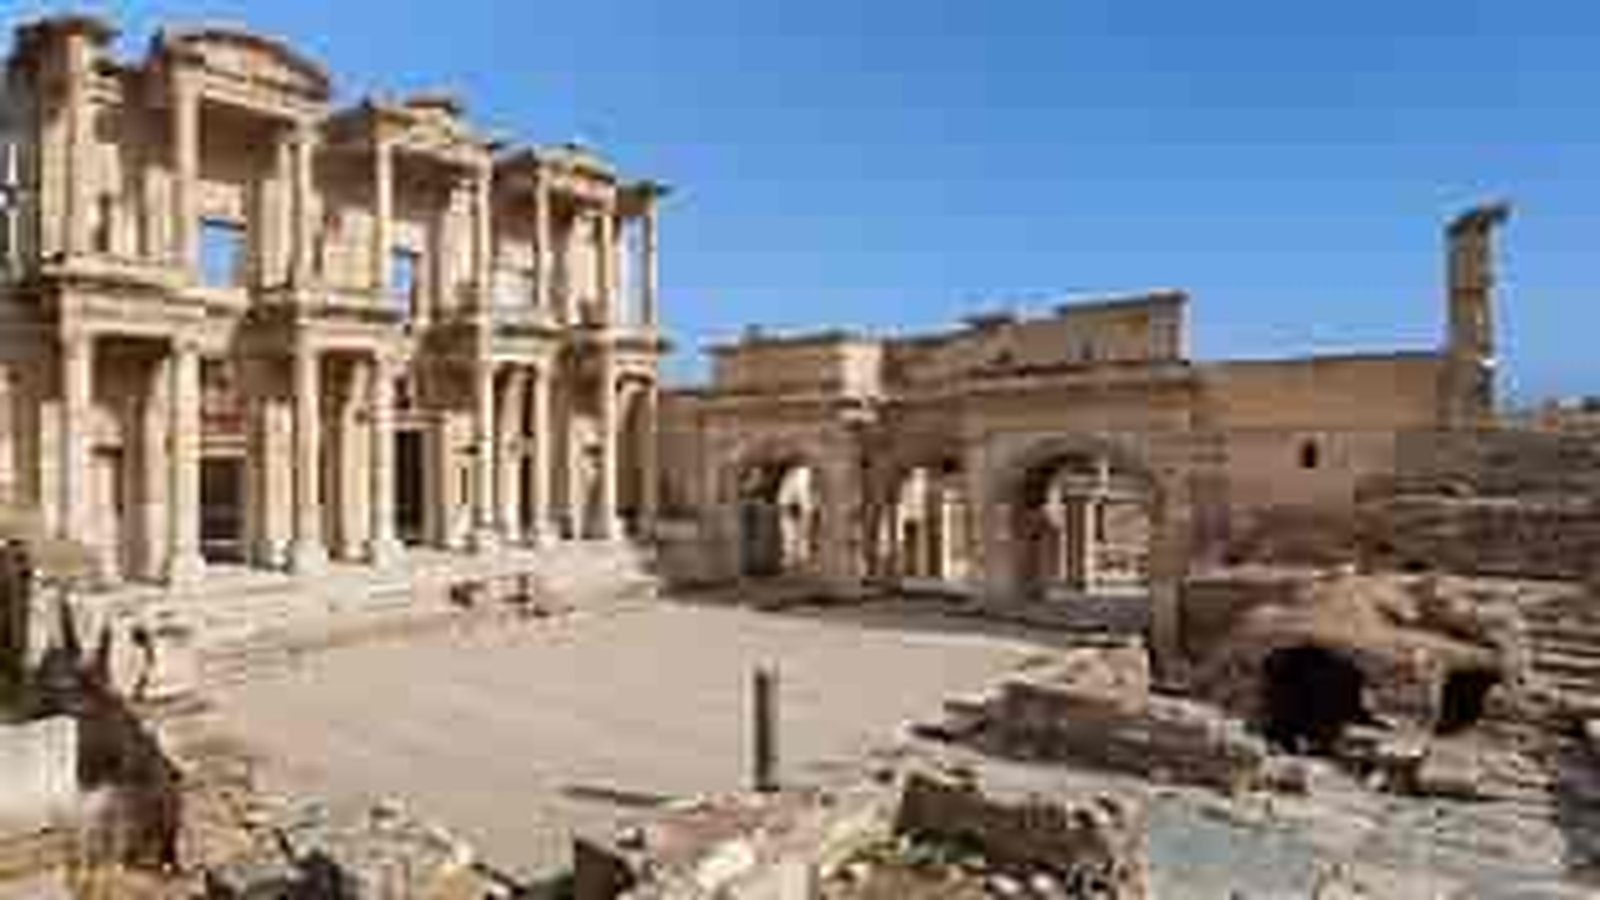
(239, 324)
(1081, 455)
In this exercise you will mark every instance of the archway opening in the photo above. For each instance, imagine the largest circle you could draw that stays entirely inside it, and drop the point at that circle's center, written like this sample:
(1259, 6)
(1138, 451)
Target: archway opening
(1463, 698)
(780, 519)
(930, 533)
(1084, 526)
(1311, 694)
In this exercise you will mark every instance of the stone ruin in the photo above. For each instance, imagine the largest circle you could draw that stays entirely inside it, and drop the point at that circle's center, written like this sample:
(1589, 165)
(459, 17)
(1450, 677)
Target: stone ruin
(892, 838)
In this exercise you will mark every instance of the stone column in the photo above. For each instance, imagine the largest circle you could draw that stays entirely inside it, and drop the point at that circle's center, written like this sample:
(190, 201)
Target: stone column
(272, 465)
(152, 487)
(307, 553)
(606, 516)
(1086, 570)
(649, 268)
(483, 238)
(80, 212)
(353, 462)
(383, 218)
(483, 468)
(649, 460)
(543, 437)
(607, 267)
(544, 253)
(184, 97)
(303, 225)
(383, 546)
(184, 563)
(508, 454)
(77, 385)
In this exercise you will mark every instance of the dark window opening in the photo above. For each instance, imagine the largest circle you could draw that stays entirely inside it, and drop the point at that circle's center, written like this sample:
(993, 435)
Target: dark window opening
(1310, 695)
(1310, 455)
(1463, 697)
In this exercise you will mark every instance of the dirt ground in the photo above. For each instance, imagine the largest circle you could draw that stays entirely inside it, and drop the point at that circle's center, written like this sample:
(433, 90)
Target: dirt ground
(512, 736)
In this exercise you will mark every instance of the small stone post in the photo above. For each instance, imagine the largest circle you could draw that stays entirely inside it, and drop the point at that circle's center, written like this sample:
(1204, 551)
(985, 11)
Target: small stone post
(765, 734)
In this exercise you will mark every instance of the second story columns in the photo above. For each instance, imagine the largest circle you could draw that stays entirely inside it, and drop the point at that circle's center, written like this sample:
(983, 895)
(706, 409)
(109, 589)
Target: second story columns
(303, 223)
(649, 271)
(382, 216)
(184, 101)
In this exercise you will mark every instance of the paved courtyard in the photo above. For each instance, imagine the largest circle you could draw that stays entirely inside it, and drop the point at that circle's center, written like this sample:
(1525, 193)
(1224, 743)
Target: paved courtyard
(514, 735)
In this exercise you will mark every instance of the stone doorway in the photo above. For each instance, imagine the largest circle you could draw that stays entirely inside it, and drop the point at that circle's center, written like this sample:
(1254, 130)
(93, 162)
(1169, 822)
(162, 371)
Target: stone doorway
(410, 486)
(780, 521)
(1084, 527)
(222, 509)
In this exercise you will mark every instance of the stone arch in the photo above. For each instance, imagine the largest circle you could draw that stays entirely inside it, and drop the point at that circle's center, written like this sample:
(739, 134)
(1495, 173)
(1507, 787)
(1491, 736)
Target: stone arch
(1033, 535)
(922, 516)
(779, 493)
(634, 430)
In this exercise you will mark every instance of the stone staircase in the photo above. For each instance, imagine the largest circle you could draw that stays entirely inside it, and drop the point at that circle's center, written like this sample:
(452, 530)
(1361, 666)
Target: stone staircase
(1564, 654)
(244, 623)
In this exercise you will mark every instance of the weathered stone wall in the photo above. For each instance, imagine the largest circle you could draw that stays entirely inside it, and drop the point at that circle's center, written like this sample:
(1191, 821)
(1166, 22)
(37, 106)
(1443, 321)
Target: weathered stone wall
(1495, 536)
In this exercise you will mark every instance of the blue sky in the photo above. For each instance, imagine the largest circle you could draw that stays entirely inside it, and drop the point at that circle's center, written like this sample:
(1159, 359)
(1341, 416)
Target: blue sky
(893, 164)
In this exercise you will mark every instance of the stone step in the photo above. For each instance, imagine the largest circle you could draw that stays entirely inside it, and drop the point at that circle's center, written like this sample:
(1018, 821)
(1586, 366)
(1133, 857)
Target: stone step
(1587, 667)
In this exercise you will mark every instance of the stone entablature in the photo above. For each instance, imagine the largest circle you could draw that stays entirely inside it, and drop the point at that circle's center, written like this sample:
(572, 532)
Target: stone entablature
(419, 336)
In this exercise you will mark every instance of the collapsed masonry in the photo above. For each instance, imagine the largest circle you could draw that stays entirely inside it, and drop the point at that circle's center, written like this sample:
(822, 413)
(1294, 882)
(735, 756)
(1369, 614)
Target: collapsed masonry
(922, 832)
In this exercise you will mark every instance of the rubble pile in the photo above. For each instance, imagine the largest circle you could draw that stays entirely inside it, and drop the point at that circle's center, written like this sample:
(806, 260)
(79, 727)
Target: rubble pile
(1094, 706)
(935, 835)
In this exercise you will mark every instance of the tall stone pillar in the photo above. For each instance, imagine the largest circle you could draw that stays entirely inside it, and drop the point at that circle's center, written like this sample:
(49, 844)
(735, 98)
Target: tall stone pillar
(509, 454)
(271, 466)
(483, 239)
(303, 225)
(81, 182)
(1469, 389)
(607, 267)
(605, 516)
(307, 553)
(538, 517)
(77, 385)
(353, 461)
(152, 485)
(184, 563)
(543, 250)
(383, 219)
(483, 453)
(184, 96)
(383, 546)
(649, 268)
(649, 459)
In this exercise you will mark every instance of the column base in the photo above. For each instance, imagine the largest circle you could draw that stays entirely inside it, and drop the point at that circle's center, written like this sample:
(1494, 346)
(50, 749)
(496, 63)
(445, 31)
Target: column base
(186, 568)
(307, 557)
(538, 536)
(271, 554)
(483, 539)
(385, 553)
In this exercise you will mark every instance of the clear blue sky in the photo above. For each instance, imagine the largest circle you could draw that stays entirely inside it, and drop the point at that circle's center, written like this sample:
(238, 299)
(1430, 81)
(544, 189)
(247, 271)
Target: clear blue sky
(892, 164)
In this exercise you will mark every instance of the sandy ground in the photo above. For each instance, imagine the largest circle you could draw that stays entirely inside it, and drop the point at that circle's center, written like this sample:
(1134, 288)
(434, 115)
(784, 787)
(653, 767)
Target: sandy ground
(514, 736)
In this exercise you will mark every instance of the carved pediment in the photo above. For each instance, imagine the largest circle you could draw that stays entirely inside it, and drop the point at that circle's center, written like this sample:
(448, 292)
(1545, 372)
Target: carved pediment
(252, 58)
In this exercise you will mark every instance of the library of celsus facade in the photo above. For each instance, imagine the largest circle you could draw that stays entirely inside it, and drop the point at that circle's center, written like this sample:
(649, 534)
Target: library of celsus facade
(243, 325)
